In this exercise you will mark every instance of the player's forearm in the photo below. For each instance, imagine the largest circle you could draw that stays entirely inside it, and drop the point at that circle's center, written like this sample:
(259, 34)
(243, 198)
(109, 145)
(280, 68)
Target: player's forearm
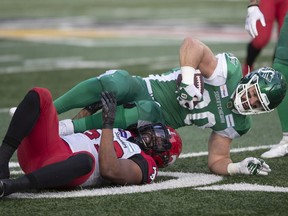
(108, 161)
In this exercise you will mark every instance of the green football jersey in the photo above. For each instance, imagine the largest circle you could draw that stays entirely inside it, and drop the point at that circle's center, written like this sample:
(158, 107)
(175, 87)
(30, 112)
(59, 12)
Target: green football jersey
(215, 110)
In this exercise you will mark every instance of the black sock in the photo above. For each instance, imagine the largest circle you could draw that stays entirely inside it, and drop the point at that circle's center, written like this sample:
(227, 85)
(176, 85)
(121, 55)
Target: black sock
(50, 176)
(61, 173)
(23, 120)
(6, 152)
(20, 126)
(252, 54)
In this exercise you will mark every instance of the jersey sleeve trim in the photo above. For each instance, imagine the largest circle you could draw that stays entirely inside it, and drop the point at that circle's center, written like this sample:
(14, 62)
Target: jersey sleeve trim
(219, 75)
(143, 164)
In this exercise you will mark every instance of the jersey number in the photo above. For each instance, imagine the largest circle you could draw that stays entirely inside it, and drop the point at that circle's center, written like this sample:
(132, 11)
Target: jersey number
(204, 119)
(94, 134)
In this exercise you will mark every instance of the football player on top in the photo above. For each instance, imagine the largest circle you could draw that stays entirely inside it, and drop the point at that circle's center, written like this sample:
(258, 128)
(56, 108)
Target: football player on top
(177, 99)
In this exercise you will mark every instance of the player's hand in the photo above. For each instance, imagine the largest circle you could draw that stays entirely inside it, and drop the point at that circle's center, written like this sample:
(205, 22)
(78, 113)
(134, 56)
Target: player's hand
(254, 166)
(253, 15)
(187, 95)
(108, 110)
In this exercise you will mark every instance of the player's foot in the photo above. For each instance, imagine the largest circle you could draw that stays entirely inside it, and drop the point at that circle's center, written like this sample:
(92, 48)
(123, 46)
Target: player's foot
(278, 150)
(3, 187)
(12, 111)
(66, 127)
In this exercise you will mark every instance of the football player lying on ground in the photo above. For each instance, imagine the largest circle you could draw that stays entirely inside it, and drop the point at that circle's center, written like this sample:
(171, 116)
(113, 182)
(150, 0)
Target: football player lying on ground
(224, 104)
(86, 159)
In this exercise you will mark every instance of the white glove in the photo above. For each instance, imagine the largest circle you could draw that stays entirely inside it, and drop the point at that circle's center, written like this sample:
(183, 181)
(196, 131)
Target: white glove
(253, 15)
(187, 95)
(249, 166)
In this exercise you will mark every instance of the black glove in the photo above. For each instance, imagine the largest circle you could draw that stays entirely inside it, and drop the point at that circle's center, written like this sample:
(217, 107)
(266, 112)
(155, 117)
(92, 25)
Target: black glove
(108, 110)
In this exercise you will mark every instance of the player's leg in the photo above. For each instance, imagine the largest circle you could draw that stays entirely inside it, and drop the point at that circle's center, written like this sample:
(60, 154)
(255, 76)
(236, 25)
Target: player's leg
(43, 140)
(130, 114)
(20, 126)
(58, 174)
(255, 46)
(87, 92)
(123, 118)
(81, 95)
(281, 64)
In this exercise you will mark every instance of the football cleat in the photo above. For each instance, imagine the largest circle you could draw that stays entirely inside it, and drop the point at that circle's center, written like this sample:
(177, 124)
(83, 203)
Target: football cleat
(278, 150)
(6, 187)
(2, 189)
(3, 186)
(66, 127)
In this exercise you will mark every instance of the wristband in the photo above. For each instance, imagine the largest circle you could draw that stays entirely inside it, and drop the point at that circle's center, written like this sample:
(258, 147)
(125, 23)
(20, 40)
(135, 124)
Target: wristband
(188, 74)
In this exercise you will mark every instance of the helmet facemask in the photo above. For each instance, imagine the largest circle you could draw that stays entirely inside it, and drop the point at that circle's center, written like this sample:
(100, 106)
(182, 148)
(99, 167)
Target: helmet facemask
(162, 143)
(242, 104)
(154, 137)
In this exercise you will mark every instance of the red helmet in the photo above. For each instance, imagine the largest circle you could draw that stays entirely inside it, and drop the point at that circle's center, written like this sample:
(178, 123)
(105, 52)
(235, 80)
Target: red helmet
(168, 157)
(162, 143)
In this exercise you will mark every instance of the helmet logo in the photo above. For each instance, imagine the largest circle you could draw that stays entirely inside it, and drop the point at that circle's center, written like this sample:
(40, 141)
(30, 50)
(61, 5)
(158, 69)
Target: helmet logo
(267, 74)
(232, 59)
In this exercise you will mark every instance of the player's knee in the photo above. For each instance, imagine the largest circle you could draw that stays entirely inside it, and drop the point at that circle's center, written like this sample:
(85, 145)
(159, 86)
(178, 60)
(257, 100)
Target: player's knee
(86, 162)
(43, 93)
(119, 82)
(114, 74)
(32, 96)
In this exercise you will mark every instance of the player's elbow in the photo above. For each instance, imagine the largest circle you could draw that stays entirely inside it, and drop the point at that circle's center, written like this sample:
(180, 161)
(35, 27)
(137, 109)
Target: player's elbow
(191, 43)
(108, 172)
